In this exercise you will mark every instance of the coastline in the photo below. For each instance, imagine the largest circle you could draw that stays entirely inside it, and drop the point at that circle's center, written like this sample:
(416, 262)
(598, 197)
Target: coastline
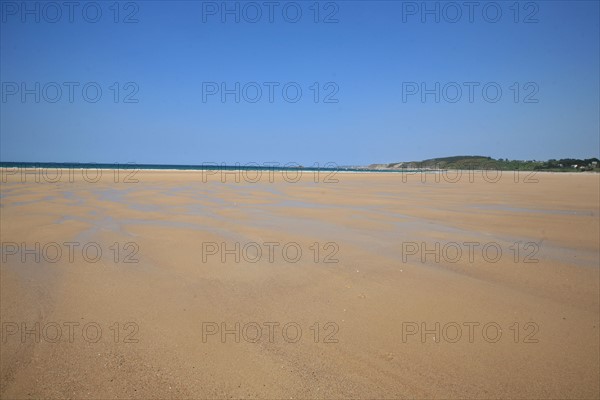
(42, 166)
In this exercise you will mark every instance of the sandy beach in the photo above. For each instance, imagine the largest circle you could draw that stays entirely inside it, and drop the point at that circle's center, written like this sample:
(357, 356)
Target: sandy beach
(189, 284)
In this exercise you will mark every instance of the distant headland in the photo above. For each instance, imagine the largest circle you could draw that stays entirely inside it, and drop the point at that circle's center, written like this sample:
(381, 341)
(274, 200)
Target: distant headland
(482, 162)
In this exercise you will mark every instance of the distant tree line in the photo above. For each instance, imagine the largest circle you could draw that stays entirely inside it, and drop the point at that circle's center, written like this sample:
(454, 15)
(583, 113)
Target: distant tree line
(481, 162)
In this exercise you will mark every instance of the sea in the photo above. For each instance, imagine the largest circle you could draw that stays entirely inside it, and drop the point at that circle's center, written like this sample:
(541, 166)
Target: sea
(210, 166)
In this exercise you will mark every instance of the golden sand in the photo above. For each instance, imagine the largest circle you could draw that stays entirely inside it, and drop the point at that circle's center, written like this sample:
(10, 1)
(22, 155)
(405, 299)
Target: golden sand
(502, 276)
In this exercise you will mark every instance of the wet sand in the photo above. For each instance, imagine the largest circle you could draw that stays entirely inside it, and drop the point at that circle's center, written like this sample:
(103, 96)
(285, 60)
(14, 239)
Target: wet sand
(370, 262)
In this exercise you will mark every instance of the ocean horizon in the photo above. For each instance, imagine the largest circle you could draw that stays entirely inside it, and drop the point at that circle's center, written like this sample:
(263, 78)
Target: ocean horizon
(209, 166)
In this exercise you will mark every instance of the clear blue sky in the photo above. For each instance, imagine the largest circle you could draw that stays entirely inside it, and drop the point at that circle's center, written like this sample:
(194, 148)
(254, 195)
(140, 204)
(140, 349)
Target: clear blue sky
(368, 55)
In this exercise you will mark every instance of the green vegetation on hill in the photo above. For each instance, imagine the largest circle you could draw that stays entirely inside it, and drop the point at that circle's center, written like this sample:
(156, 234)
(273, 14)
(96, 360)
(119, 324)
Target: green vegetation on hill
(480, 162)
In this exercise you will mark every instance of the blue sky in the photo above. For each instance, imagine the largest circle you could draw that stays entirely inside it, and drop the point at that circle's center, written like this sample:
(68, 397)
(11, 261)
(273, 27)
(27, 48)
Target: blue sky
(173, 58)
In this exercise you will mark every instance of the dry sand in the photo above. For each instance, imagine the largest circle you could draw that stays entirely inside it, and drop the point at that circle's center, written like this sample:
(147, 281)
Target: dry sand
(366, 303)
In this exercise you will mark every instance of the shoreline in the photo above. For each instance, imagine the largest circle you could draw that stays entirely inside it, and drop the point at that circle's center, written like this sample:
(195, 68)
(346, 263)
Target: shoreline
(4, 170)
